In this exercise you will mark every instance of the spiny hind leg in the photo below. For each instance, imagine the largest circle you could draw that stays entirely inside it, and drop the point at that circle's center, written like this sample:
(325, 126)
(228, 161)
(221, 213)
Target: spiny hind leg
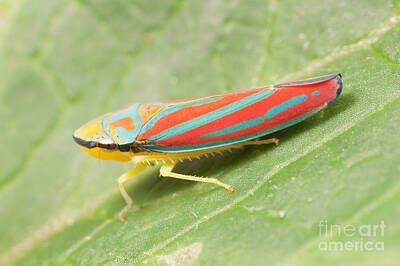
(121, 180)
(166, 171)
(259, 142)
(240, 145)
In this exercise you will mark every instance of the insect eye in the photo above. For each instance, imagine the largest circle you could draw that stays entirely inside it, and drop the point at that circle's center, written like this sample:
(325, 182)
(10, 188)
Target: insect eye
(108, 146)
(124, 148)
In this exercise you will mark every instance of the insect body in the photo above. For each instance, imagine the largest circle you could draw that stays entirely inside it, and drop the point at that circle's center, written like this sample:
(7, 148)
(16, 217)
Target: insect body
(167, 132)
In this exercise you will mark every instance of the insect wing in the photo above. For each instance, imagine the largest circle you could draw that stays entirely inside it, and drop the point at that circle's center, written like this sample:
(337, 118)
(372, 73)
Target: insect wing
(225, 119)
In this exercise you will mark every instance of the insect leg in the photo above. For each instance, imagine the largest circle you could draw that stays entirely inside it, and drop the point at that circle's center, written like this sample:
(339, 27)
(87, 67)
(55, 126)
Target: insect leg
(241, 144)
(261, 142)
(166, 171)
(121, 180)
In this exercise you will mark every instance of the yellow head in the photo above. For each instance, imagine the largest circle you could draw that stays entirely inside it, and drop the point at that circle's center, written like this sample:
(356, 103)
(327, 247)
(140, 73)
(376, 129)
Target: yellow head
(92, 138)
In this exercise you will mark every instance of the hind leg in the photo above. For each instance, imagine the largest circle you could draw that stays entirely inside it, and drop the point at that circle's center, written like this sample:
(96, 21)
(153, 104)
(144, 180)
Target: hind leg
(255, 142)
(166, 171)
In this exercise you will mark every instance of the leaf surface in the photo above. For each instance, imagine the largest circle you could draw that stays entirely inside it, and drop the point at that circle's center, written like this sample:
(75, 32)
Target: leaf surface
(66, 62)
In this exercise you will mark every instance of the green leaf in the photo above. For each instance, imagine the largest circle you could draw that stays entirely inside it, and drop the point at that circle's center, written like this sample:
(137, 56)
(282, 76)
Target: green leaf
(66, 62)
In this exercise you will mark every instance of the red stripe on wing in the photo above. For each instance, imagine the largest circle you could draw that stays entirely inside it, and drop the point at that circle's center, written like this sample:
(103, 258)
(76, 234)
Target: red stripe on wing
(192, 137)
(188, 113)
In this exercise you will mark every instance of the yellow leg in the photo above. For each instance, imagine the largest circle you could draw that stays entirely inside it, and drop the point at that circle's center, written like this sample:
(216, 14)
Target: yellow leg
(121, 180)
(256, 142)
(166, 171)
(146, 157)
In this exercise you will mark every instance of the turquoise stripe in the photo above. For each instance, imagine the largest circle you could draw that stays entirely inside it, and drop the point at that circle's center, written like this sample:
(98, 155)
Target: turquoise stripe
(105, 127)
(285, 105)
(234, 128)
(209, 117)
(129, 112)
(217, 144)
(125, 136)
(315, 93)
(175, 107)
(271, 113)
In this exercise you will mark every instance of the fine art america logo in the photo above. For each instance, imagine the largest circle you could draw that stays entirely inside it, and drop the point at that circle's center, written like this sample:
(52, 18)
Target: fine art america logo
(349, 237)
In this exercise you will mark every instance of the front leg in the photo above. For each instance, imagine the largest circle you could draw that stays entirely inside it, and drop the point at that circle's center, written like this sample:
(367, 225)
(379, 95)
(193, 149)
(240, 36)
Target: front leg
(121, 180)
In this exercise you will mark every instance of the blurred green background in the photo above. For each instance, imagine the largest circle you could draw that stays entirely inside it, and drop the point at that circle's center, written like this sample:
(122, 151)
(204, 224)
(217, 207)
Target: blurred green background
(64, 62)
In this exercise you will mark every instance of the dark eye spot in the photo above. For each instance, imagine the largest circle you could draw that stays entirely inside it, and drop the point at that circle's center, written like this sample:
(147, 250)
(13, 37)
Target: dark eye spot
(111, 146)
(124, 148)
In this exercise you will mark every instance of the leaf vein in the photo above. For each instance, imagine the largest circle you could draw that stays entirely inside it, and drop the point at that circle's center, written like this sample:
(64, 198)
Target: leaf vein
(374, 204)
(338, 52)
(268, 176)
(101, 20)
(134, 53)
(262, 65)
(27, 157)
